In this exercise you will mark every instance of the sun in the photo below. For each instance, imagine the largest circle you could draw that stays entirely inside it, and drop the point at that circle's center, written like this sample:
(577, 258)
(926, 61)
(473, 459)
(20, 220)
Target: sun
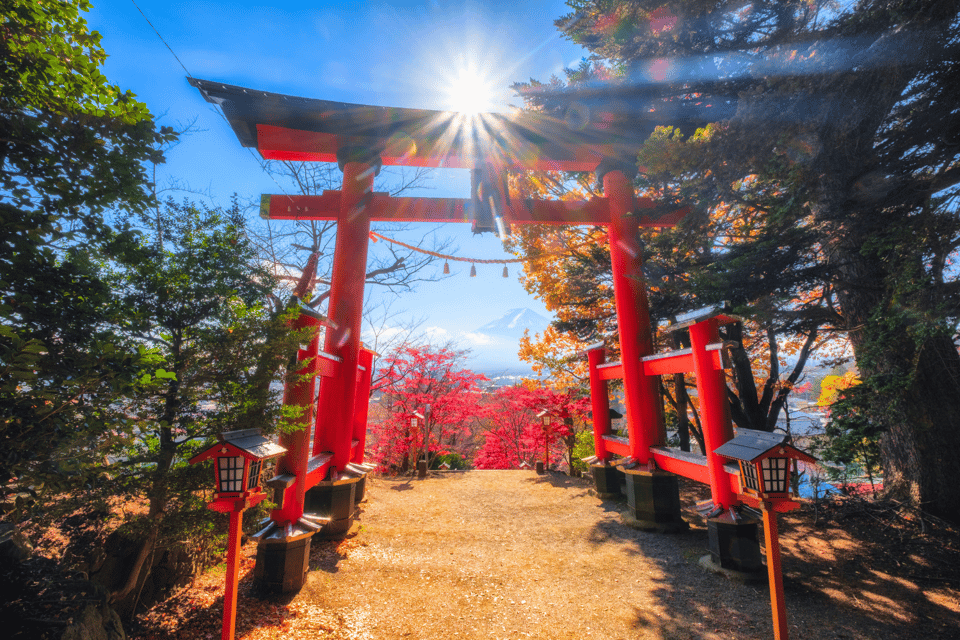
(470, 92)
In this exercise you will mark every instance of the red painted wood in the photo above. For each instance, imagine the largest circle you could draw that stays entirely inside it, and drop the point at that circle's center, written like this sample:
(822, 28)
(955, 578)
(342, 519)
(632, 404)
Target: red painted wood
(362, 406)
(714, 409)
(326, 367)
(682, 363)
(430, 150)
(298, 393)
(382, 207)
(318, 474)
(685, 468)
(233, 574)
(337, 403)
(775, 573)
(617, 447)
(614, 372)
(642, 394)
(599, 402)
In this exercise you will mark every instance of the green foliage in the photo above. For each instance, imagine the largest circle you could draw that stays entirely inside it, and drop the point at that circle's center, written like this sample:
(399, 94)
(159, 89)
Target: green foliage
(456, 461)
(584, 448)
(72, 143)
(197, 299)
(852, 436)
(72, 146)
(827, 203)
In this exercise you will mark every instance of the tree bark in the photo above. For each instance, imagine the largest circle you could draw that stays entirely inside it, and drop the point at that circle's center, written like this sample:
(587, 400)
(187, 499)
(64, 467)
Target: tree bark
(921, 441)
(913, 366)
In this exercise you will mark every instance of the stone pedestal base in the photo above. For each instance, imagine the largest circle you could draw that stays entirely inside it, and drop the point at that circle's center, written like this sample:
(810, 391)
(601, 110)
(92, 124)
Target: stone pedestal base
(653, 501)
(360, 489)
(540, 469)
(282, 565)
(335, 500)
(734, 548)
(606, 480)
(422, 469)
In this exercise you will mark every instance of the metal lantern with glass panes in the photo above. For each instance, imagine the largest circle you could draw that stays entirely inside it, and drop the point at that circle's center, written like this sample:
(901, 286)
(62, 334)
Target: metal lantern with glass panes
(766, 460)
(545, 419)
(238, 462)
(415, 419)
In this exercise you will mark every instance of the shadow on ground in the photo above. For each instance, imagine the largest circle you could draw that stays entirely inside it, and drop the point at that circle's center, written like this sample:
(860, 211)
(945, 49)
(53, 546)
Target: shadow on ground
(840, 581)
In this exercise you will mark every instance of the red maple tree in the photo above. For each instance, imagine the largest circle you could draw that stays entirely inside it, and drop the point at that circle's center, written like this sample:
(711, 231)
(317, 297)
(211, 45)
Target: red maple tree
(429, 381)
(518, 434)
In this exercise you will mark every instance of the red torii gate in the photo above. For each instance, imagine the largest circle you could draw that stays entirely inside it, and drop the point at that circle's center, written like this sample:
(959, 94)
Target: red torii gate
(361, 138)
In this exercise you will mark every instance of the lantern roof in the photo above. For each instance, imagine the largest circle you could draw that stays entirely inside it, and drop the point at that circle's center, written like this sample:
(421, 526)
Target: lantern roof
(249, 443)
(586, 128)
(253, 442)
(751, 445)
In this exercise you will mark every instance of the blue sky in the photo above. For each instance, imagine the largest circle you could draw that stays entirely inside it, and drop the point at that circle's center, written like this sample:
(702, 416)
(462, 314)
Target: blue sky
(392, 53)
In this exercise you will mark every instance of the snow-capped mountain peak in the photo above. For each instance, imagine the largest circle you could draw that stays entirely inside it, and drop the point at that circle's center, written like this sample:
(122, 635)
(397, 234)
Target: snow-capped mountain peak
(514, 322)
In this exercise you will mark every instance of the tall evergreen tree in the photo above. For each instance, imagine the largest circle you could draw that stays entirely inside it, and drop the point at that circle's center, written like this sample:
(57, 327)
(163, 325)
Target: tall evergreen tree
(843, 141)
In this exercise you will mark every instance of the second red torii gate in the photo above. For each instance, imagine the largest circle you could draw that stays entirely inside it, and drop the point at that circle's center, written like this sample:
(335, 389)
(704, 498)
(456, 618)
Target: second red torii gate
(361, 138)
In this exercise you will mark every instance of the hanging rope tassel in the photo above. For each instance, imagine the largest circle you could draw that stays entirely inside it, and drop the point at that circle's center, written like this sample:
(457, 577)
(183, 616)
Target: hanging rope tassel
(443, 256)
(473, 271)
(505, 273)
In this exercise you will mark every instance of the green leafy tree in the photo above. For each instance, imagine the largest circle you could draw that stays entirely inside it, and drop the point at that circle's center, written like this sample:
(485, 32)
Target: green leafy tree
(852, 436)
(72, 146)
(198, 300)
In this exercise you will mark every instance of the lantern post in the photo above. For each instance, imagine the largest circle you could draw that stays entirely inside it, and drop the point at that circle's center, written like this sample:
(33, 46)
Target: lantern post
(417, 420)
(238, 462)
(545, 420)
(766, 462)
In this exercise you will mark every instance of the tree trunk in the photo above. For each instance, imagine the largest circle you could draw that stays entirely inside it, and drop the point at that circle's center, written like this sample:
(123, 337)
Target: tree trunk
(921, 443)
(913, 367)
(124, 599)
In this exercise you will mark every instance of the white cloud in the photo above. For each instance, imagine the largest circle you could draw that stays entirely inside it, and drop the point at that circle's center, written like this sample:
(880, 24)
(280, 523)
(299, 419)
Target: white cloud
(436, 332)
(479, 339)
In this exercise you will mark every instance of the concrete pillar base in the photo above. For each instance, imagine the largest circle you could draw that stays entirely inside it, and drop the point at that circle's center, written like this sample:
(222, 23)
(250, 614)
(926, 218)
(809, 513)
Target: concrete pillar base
(606, 480)
(734, 547)
(540, 469)
(653, 501)
(335, 500)
(360, 489)
(422, 469)
(282, 565)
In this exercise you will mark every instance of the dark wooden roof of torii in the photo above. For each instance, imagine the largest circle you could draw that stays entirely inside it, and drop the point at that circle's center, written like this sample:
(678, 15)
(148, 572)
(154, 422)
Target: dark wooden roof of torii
(285, 127)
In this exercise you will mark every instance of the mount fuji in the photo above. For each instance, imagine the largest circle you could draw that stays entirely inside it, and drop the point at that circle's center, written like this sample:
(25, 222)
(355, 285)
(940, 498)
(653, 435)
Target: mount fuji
(494, 345)
(513, 323)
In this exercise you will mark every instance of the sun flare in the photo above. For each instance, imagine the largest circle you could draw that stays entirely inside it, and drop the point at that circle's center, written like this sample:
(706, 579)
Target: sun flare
(470, 92)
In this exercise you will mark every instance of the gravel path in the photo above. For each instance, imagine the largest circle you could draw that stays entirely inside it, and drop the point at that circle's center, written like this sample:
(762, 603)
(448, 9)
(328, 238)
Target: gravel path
(508, 554)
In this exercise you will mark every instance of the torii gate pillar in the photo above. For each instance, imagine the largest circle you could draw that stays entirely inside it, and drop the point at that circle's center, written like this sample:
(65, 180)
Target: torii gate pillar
(653, 497)
(644, 409)
(337, 405)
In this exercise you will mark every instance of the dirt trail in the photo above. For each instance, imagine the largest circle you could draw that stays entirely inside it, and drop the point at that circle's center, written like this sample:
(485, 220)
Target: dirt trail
(509, 554)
